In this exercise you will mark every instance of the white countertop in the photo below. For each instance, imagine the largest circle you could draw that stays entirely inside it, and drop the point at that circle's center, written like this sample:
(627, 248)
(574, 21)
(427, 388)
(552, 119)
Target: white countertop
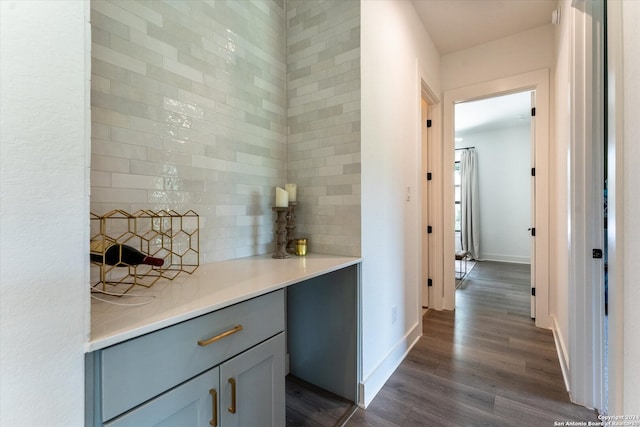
(211, 287)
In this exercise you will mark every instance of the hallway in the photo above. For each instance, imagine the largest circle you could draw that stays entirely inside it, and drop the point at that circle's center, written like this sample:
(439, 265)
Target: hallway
(485, 364)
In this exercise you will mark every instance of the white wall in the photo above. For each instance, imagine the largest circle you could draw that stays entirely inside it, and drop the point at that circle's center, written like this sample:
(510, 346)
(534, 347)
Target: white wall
(520, 53)
(393, 45)
(44, 211)
(504, 186)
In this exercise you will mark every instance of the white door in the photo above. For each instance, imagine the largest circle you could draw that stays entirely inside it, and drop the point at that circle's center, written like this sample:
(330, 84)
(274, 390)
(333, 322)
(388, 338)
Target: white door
(425, 204)
(532, 255)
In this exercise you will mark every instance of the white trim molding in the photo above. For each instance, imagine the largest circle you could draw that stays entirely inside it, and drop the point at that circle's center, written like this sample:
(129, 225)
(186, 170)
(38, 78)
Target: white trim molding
(370, 386)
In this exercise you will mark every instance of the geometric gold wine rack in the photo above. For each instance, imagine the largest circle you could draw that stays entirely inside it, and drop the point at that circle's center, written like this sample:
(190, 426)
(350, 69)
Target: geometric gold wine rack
(162, 234)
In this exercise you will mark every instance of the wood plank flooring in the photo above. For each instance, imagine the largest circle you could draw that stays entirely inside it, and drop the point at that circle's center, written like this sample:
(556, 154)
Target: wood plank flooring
(485, 364)
(310, 406)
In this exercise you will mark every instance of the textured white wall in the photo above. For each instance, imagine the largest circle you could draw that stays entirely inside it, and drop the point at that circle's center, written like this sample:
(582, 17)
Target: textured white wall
(393, 43)
(43, 211)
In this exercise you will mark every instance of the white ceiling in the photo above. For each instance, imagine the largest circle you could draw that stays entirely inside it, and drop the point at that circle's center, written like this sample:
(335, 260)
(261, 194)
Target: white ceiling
(459, 24)
(491, 113)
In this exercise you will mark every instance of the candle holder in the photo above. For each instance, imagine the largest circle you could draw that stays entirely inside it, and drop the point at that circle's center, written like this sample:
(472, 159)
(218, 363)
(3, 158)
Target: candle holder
(291, 227)
(281, 233)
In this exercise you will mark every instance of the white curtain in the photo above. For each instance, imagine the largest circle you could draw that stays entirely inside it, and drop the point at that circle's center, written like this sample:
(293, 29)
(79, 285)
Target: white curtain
(469, 203)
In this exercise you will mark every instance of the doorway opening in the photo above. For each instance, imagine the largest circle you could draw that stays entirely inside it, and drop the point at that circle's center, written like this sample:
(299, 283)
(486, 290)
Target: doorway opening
(537, 81)
(493, 183)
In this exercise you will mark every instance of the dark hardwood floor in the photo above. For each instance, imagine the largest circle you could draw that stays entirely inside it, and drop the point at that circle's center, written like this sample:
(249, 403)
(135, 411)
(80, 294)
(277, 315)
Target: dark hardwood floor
(485, 364)
(310, 406)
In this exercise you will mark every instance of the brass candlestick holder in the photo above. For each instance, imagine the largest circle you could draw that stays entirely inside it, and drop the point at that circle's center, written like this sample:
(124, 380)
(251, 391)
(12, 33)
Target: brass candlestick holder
(281, 233)
(291, 227)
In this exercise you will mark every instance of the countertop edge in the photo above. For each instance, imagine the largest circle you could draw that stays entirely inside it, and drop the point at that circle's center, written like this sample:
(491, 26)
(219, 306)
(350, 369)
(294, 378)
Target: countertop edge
(107, 340)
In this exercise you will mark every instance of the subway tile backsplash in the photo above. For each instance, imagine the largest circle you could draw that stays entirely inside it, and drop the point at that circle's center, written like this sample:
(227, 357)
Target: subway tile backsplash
(323, 92)
(207, 106)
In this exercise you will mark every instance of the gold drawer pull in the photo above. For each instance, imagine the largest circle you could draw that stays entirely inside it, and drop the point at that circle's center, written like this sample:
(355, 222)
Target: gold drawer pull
(214, 399)
(231, 331)
(232, 408)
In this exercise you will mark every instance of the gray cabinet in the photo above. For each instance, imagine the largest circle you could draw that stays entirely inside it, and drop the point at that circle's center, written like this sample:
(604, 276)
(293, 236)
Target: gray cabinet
(165, 378)
(192, 404)
(252, 387)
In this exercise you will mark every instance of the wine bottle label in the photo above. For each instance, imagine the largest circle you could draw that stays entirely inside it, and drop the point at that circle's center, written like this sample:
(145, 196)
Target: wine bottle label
(99, 246)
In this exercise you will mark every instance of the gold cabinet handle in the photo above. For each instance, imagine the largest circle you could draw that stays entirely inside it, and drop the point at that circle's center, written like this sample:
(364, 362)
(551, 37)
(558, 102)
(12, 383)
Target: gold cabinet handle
(232, 408)
(231, 331)
(214, 401)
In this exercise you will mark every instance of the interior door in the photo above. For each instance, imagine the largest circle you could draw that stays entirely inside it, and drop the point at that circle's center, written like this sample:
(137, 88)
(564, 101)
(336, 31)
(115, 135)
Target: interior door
(532, 254)
(425, 204)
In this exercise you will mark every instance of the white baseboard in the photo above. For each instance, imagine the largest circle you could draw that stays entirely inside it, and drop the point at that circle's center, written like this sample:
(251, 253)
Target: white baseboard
(516, 259)
(374, 382)
(563, 355)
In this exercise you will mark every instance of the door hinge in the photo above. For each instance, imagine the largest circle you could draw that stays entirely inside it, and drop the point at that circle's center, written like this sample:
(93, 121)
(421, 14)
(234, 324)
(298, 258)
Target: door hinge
(428, 123)
(533, 112)
(429, 177)
(533, 231)
(533, 292)
(429, 229)
(597, 253)
(533, 171)
(429, 282)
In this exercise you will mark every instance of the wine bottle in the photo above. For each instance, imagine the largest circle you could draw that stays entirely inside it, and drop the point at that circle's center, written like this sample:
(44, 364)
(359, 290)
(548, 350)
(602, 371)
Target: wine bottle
(121, 255)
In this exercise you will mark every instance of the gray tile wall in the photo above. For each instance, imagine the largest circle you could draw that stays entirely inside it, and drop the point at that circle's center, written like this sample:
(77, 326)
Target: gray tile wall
(189, 112)
(191, 106)
(323, 92)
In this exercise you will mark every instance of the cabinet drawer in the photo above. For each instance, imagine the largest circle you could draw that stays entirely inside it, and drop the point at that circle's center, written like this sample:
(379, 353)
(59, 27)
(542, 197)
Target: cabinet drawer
(137, 370)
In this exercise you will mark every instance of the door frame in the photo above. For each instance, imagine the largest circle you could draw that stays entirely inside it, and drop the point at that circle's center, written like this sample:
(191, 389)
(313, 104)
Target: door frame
(535, 80)
(614, 401)
(427, 250)
(431, 259)
(532, 209)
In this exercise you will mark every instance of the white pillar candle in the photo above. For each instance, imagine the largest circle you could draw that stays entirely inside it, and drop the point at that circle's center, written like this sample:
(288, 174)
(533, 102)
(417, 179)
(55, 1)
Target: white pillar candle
(292, 189)
(282, 198)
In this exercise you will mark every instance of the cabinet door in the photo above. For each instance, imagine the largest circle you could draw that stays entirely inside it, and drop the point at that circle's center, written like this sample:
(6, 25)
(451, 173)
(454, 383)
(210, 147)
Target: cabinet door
(252, 386)
(192, 404)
